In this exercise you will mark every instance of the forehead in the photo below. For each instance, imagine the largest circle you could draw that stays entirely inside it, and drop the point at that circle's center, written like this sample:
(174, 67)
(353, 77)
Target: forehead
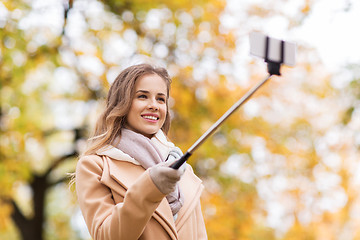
(152, 83)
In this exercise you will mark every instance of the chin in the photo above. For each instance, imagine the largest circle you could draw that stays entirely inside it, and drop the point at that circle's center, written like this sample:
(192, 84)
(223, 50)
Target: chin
(150, 132)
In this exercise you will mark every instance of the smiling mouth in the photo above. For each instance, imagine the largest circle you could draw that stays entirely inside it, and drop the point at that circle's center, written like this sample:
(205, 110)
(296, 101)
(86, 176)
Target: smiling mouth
(151, 117)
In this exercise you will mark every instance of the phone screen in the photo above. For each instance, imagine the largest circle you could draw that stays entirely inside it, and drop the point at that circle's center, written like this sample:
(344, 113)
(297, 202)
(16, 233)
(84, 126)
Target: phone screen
(258, 48)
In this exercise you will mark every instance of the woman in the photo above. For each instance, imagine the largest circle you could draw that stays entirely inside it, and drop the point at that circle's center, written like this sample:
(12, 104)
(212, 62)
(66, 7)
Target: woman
(125, 187)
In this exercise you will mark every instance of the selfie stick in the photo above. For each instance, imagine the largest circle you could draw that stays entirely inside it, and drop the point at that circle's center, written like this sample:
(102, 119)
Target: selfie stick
(273, 68)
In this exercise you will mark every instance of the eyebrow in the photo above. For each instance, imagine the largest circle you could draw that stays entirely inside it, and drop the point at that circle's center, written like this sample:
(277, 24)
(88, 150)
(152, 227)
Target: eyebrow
(145, 91)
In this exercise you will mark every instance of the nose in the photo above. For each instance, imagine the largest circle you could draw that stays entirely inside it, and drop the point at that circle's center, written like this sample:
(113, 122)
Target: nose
(153, 105)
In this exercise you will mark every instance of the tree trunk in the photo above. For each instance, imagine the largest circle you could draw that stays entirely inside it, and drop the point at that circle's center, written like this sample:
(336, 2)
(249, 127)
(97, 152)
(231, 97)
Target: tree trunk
(39, 187)
(32, 229)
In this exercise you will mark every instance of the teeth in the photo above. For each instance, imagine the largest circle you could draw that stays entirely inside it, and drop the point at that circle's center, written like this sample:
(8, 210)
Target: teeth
(150, 117)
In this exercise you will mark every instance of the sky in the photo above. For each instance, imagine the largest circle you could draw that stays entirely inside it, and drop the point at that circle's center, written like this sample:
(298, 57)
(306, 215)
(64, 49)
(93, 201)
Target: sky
(333, 29)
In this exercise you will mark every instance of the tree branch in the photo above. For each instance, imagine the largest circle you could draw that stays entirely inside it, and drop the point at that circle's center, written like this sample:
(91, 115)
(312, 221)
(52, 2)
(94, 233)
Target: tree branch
(67, 6)
(61, 180)
(18, 217)
(58, 161)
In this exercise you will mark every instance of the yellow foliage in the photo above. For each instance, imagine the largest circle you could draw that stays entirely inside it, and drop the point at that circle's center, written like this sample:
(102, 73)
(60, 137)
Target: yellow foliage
(5, 212)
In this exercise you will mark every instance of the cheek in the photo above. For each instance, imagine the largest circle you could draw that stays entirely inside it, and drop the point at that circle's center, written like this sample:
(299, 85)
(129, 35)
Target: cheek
(163, 111)
(137, 106)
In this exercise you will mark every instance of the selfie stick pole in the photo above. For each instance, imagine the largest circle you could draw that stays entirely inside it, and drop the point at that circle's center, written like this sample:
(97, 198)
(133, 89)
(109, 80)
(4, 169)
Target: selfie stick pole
(273, 69)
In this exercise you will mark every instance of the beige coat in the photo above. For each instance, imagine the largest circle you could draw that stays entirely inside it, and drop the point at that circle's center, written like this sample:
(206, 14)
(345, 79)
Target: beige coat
(119, 201)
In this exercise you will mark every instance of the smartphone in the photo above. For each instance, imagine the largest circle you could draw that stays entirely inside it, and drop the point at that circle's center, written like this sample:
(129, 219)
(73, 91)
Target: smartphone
(272, 52)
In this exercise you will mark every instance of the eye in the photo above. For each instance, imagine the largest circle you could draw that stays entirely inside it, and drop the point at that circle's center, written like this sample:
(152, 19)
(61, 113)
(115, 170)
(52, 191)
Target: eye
(143, 96)
(161, 99)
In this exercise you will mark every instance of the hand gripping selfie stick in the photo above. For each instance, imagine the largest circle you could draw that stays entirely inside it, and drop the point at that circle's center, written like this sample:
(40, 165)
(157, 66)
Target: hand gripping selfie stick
(275, 52)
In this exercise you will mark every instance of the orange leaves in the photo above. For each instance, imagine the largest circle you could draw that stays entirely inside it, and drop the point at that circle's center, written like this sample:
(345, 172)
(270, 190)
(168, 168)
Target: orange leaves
(227, 212)
(306, 8)
(5, 211)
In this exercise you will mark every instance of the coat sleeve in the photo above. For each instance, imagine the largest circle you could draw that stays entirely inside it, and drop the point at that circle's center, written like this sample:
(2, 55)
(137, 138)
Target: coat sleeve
(105, 219)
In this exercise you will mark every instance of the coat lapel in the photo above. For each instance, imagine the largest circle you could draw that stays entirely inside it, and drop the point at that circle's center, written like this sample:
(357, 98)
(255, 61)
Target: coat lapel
(191, 194)
(120, 175)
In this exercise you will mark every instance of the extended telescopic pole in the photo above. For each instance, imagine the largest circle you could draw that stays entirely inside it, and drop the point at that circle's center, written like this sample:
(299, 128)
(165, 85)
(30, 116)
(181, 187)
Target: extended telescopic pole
(213, 128)
(273, 67)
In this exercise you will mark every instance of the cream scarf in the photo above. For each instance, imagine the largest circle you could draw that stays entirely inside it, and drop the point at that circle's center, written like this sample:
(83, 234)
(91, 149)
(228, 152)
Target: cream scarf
(149, 152)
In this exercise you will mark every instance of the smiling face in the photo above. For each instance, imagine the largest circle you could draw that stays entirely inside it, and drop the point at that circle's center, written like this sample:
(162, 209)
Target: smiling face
(148, 108)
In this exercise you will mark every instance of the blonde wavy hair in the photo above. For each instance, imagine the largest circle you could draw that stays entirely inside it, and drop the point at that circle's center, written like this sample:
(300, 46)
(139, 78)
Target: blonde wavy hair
(118, 103)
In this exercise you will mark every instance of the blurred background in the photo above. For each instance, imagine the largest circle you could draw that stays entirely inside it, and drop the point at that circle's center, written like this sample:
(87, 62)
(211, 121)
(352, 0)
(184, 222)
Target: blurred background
(285, 166)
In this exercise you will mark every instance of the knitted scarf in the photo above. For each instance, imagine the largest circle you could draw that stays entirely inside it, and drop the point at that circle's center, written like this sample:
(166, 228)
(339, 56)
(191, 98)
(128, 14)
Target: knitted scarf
(148, 154)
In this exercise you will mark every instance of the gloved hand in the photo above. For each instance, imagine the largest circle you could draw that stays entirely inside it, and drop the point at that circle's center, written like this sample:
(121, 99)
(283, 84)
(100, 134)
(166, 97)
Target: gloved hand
(165, 177)
(176, 154)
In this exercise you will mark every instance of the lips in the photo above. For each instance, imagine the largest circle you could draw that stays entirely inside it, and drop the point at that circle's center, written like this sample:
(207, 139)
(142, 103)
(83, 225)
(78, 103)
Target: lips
(152, 117)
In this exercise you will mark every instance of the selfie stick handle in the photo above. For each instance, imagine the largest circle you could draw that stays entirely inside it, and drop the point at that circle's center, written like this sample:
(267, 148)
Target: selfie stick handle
(213, 128)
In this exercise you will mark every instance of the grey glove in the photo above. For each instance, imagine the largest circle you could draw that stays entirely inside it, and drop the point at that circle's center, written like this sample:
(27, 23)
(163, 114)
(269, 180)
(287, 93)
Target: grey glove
(176, 154)
(165, 177)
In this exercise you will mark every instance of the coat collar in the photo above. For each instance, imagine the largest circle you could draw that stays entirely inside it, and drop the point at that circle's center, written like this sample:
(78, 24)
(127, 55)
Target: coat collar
(115, 153)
